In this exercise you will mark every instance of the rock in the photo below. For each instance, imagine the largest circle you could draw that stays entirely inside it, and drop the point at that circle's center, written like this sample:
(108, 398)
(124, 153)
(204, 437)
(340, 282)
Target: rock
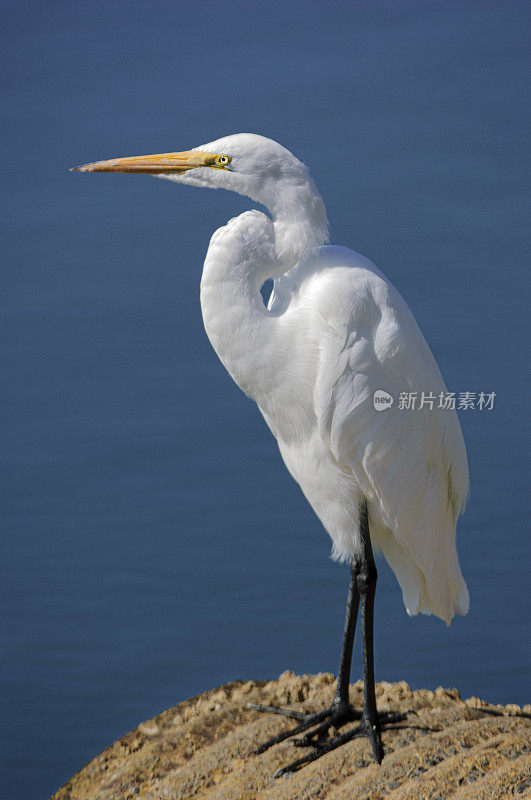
(201, 749)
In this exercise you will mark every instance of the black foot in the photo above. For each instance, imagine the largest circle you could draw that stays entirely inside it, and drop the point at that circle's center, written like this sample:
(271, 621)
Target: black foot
(372, 732)
(337, 715)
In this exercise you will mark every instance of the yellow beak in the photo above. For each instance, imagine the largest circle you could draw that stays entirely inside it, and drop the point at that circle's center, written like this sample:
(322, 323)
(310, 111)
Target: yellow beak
(154, 165)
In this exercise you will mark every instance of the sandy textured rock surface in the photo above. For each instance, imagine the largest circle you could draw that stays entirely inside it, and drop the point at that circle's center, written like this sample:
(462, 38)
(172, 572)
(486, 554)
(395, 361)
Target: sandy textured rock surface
(202, 748)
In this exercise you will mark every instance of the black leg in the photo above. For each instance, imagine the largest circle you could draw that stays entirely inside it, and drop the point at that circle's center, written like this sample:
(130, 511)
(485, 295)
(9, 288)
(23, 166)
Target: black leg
(367, 577)
(363, 577)
(343, 675)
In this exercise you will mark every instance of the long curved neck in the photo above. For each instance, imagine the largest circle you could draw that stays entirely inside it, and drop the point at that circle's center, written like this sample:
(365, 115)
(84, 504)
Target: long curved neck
(242, 255)
(300, 223)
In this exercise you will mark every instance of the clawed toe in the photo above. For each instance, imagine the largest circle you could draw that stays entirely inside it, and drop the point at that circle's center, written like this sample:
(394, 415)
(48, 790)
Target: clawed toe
(321, 747)
(285, 712)
(305, 721)
(334, 717)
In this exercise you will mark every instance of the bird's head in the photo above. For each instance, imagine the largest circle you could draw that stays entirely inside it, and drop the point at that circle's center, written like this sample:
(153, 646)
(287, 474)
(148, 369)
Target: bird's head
(245, 163)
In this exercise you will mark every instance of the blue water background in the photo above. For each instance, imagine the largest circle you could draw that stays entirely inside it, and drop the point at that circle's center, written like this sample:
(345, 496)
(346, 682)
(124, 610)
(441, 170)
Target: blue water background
(154, 545)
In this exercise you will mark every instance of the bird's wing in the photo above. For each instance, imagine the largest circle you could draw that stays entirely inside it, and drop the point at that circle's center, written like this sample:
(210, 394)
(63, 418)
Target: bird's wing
(410, 464)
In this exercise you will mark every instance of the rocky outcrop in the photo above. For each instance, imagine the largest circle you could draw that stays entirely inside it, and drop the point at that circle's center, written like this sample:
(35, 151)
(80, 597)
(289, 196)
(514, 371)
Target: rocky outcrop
(201, 749)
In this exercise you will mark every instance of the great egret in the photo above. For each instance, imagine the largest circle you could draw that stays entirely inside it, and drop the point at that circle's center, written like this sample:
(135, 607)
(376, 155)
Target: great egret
(335, 337)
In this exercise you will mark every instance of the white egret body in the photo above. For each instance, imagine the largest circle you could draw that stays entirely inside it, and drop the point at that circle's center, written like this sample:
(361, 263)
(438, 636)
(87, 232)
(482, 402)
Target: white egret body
(335, 331)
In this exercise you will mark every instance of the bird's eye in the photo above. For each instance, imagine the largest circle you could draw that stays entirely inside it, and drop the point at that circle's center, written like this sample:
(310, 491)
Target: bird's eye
(222, 161)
